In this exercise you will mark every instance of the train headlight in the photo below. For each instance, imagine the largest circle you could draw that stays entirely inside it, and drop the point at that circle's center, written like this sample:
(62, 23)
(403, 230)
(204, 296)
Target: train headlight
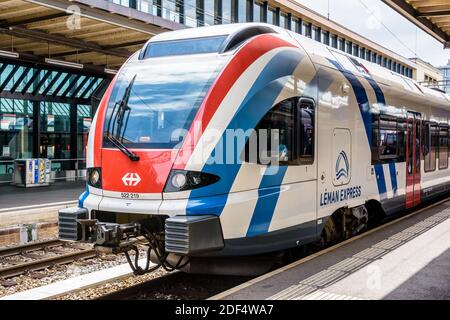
(95, 177)
(181, 180)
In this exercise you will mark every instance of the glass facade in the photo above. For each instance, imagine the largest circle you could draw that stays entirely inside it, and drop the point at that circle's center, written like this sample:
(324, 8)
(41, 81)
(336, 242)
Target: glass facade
(243, 11)
(258, 12)
(446, 74)
(52, 122)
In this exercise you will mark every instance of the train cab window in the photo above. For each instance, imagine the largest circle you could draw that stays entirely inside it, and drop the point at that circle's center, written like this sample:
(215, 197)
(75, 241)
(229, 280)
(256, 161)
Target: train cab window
(430, 145)
(285, 134)
(183, 47)
(443, 147)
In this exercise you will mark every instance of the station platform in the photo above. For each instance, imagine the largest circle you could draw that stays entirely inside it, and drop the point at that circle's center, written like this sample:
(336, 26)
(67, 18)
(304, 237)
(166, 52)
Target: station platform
(405, 259)
(14, 197)
(28, 214)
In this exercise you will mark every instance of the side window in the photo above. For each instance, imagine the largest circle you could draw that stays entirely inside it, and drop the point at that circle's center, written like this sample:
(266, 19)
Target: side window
(305, 131)
(430, 145)
(426, 145)
(401, 140)
(285, 134)
(375, 135)
(443, 147)
(388, 139)
(387, 143)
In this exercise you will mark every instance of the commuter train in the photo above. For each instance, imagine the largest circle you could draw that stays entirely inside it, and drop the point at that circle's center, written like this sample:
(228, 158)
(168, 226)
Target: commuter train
(169, 154)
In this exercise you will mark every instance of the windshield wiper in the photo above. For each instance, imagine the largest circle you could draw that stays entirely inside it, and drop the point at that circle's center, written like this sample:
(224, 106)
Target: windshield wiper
(122, 108)
(130, 154)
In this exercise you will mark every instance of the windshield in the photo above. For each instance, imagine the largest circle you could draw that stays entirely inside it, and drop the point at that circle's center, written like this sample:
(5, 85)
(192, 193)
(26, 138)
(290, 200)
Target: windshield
(162, 102)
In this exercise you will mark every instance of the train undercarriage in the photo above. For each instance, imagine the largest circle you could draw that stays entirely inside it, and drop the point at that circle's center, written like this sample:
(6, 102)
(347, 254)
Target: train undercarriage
(193, 244)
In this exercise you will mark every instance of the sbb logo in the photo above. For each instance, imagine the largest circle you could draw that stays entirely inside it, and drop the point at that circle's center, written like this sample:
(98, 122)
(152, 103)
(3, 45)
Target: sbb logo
(131, 179)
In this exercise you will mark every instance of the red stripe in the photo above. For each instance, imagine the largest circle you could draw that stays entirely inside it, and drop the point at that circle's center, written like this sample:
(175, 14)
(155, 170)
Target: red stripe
(99, 125)
(222, 85)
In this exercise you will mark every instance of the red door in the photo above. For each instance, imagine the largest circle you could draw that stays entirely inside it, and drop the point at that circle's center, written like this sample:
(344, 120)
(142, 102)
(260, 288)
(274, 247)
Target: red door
(413, 143)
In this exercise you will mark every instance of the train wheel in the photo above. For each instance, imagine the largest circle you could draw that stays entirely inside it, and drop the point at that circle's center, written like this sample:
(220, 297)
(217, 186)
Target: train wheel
(330, 234)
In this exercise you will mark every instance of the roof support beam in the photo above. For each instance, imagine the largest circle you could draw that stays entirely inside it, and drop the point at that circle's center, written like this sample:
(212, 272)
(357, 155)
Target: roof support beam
(32, 20)
(405, 9)
(38, 97)
(70, 42)
(434, 14)
(108, 47)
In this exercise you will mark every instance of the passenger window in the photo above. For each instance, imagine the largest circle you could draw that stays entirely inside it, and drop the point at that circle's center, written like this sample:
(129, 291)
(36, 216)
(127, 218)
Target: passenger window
(285, 134)
(387, 143)
(443, 147)
(305, 133)
(401, 140)
(430, 145)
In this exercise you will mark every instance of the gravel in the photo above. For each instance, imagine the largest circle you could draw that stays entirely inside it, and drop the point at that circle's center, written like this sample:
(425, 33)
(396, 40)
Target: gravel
(58, 272)
(110, 287)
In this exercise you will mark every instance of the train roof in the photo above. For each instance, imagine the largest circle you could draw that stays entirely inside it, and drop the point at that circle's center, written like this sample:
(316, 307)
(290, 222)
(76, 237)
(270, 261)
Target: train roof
(211, 31)
(320, 54)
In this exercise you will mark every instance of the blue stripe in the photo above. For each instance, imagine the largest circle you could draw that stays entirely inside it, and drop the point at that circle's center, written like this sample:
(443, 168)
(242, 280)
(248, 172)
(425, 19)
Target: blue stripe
(393, 173)
(256, 104)
(361, 98)
(381, 181)
(267, 201)
(83, 197)
(378, 92)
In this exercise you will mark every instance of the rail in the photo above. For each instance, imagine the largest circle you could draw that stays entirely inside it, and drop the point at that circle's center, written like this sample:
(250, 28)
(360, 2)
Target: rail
(39, 262)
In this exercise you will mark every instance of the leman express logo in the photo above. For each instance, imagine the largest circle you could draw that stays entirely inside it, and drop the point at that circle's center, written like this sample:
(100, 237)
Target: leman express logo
(131, 179)
(342, 166)
(332, 197)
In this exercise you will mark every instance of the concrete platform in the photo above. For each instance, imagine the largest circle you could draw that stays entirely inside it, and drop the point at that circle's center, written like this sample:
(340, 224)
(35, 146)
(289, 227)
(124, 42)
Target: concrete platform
(70, 285)
(407, 259)
(13, 197)
(23, 210)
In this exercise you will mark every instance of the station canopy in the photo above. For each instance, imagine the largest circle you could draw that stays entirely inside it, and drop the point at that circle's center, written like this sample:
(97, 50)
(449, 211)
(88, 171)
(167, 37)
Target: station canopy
(93, 33)
(433, 16)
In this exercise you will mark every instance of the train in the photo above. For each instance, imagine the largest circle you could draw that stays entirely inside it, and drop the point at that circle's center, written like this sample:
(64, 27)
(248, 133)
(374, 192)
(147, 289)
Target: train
(223, 146)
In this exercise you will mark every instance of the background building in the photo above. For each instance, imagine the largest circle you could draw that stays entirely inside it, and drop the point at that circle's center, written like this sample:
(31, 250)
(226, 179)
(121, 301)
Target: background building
(58, 56)
(446, 74)
(427, 74)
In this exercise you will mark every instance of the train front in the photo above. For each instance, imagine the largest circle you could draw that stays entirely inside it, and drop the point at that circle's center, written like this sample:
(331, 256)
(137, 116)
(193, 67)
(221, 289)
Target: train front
(148, 153)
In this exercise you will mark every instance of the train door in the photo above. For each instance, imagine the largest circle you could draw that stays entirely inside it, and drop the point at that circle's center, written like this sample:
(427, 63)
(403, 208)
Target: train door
(413, 143)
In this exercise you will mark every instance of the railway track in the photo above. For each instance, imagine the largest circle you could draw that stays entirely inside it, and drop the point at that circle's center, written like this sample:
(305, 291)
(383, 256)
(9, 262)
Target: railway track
(181, 286)
(53, 252)
(177, 286)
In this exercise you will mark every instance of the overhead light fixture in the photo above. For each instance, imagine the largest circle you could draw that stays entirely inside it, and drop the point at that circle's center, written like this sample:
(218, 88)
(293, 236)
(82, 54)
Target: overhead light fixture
(9, 54)
(111, 71)
(64, 63)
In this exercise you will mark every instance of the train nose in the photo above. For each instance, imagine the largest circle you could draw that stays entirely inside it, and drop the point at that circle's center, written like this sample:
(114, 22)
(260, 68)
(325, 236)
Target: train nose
(144, 177)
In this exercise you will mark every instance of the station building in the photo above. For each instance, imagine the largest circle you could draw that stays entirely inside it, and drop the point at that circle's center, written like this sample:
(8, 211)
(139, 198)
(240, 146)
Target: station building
(446, 76)
(57, 58)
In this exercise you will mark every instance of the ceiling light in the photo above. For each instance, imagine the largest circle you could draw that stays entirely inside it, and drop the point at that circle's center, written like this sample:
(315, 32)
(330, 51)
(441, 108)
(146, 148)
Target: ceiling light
(110, 71)
(64, 63)
(9, 54)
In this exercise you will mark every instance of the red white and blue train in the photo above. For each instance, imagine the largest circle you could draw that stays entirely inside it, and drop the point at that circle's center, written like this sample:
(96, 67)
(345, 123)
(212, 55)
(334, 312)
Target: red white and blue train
(359, 142)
